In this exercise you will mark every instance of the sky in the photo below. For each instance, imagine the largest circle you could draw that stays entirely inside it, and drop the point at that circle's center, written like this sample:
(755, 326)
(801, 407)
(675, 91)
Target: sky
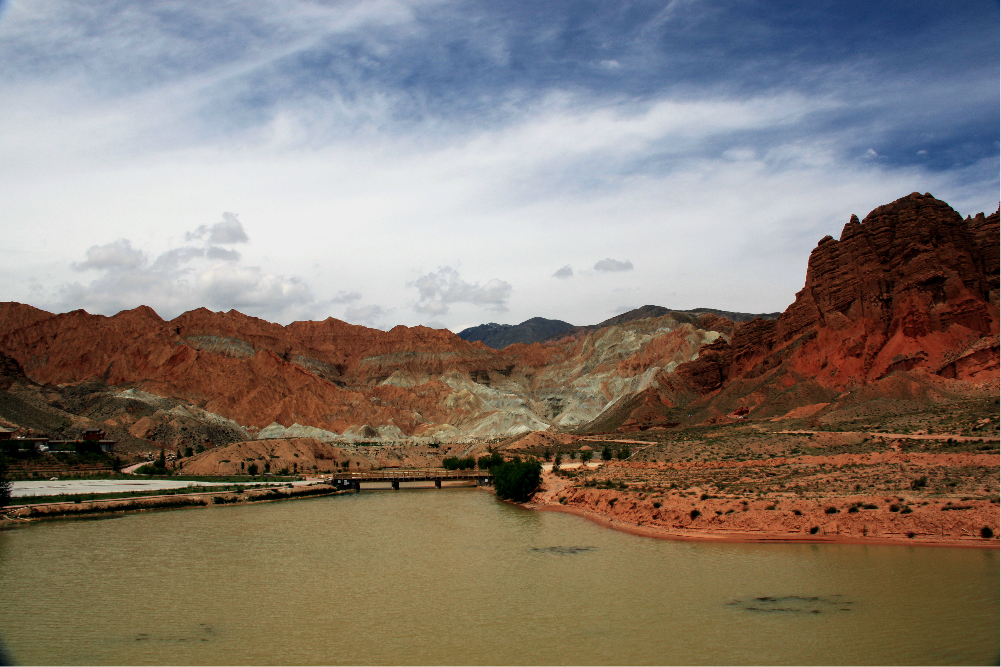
(451, 163)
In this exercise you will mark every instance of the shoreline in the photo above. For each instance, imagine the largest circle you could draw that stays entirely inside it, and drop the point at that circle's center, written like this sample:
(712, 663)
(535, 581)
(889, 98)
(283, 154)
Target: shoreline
(22, 514)
(763, 537)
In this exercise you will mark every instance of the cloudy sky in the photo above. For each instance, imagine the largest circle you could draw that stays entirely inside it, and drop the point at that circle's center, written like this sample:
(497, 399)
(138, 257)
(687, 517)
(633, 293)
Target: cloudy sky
(457, 162)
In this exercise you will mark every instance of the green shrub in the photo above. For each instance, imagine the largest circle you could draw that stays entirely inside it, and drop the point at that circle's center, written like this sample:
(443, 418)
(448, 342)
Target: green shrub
(517, 480)
(624, 453)
(920, 482)
(586, 455)
(986, 532)
(831, 510)
(813, 531)
(694, 514)
(606, 453)
(894, 508)
(656, 505)
(252, 470)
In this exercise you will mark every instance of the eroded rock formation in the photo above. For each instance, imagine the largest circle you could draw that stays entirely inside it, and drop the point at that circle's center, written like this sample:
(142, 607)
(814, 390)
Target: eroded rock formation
(912, 289)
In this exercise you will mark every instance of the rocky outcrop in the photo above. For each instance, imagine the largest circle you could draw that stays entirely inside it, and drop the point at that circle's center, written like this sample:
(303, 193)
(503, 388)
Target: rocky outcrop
(913, 287)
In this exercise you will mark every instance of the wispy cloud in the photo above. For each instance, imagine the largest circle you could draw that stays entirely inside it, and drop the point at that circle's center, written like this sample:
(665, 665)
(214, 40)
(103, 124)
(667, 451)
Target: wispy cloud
(365, 135)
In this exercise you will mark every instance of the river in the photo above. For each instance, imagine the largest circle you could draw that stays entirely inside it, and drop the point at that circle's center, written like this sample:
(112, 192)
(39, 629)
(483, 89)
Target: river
(455, 577)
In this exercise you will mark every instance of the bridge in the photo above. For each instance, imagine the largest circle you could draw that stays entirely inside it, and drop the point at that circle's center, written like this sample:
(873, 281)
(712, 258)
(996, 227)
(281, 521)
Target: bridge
(353, 480)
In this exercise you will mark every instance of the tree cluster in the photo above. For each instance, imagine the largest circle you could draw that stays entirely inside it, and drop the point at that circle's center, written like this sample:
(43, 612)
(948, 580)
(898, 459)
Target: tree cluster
(517, 480)
(457, 463)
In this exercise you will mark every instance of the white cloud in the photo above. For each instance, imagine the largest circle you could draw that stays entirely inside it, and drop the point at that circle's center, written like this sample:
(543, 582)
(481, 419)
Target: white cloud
(565, 272)
(443, 287)
(345, 297)
(187, 277)
(118, 255)
(367, 315)
(609, 265)
(229, 230)
(249, 289)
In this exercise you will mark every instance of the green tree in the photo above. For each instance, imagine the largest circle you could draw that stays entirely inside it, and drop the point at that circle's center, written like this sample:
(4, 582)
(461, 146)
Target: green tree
(489, 461)
(586, 455)
(5, 483)
(623, 453)
(517, 480)
(188, 452)
(606, 453)
(252, 470)
(162, 461)
(267, 466)
(557, 461)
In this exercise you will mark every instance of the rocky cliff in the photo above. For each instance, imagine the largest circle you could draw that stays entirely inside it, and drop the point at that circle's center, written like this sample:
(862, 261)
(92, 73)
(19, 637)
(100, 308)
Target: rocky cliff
(911, 288)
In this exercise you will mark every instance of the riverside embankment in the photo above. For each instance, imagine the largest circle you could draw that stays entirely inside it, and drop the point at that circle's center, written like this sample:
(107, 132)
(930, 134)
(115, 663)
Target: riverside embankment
(50, 510)
(805, 501)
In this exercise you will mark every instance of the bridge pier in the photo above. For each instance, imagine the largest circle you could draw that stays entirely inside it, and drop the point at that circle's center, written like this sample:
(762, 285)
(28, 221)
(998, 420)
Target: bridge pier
(396, 485)
(356, 486)
(437, 484)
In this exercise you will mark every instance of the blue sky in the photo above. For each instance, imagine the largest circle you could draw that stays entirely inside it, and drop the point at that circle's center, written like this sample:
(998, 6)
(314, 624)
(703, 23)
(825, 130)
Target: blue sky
(453, 163)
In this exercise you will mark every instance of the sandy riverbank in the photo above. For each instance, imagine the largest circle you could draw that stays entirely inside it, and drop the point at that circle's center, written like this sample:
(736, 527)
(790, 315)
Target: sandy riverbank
(855, 518)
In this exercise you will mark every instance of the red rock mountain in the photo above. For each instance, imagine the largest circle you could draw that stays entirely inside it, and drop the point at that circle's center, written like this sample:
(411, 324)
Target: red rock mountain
(912, 289)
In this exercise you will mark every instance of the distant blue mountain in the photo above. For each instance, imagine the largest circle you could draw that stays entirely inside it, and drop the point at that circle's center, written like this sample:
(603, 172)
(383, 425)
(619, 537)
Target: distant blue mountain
(538, 329)
(499, 336)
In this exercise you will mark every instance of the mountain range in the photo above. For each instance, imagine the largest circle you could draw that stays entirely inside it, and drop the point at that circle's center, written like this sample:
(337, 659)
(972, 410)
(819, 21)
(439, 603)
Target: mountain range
(903, 307)
(539, 329)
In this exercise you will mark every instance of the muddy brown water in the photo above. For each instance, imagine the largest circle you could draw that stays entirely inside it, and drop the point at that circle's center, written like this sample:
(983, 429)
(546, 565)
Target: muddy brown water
(456, 577)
